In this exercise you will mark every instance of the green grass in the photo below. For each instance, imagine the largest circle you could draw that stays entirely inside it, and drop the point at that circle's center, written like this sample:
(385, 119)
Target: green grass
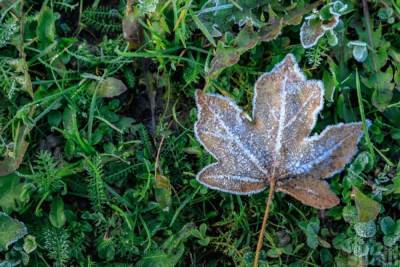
(110, 181)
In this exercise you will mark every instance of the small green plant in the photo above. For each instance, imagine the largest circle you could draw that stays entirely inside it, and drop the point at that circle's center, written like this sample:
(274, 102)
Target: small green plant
(96, 186)
(102, 18)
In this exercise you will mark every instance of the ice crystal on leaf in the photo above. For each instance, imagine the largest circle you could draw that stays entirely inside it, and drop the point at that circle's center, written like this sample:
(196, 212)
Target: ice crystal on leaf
(275, 142)
(321, 22)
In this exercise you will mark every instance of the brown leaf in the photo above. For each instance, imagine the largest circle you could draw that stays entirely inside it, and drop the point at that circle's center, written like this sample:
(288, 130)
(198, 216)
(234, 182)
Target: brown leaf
(275, 142)
(132, 31)
(11, 164)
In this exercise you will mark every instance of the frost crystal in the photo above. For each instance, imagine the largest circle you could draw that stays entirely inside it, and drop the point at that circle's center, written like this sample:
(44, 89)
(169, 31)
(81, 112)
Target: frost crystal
(275, 142)
(148, 6)
(321, 22)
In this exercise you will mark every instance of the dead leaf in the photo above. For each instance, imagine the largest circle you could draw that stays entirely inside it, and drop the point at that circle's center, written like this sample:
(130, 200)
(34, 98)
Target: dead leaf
(275, 142)
(11, 163)
(133, 32)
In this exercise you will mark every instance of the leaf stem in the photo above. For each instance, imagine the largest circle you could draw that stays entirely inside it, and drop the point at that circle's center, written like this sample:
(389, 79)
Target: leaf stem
(265, 219)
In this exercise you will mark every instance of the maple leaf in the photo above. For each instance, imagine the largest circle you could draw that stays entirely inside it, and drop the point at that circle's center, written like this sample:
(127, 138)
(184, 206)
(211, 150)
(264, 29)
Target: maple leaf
(274, 144)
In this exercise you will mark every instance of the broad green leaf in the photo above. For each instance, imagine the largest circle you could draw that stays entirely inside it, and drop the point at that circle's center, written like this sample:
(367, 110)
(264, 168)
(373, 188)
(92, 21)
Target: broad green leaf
(46, 28)
(11, 230)
(391, 230)
(111, 87)
(326, 257)
(13, 193)
(381, 99)
(330, 84)
(360, 50)
(274, 252)
(349, 261)
(30, 244)
(106, 249)
(368, 209)
(163, 191)
(56, 216)
(159, 258)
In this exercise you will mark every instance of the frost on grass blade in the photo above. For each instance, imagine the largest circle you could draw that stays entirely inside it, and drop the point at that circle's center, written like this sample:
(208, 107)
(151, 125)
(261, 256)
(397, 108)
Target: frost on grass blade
(275, 141)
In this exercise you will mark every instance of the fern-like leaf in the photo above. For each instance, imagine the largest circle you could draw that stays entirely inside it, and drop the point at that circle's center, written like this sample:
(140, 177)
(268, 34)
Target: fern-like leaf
(57, 244)
(7, 30)
(45, 174)
(96, 186)
(103, 19)
(316, 55)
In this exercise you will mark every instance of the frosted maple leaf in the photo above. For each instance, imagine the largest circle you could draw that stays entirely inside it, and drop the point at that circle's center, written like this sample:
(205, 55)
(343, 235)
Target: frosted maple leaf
(275, 142)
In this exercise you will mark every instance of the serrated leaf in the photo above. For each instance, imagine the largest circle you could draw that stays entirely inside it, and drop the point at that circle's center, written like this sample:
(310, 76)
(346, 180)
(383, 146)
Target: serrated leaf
(368, 209)
(275, 142)
(11, 231)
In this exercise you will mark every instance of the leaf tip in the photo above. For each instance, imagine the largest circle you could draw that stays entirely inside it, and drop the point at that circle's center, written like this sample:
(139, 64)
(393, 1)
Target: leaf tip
(290, 59)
